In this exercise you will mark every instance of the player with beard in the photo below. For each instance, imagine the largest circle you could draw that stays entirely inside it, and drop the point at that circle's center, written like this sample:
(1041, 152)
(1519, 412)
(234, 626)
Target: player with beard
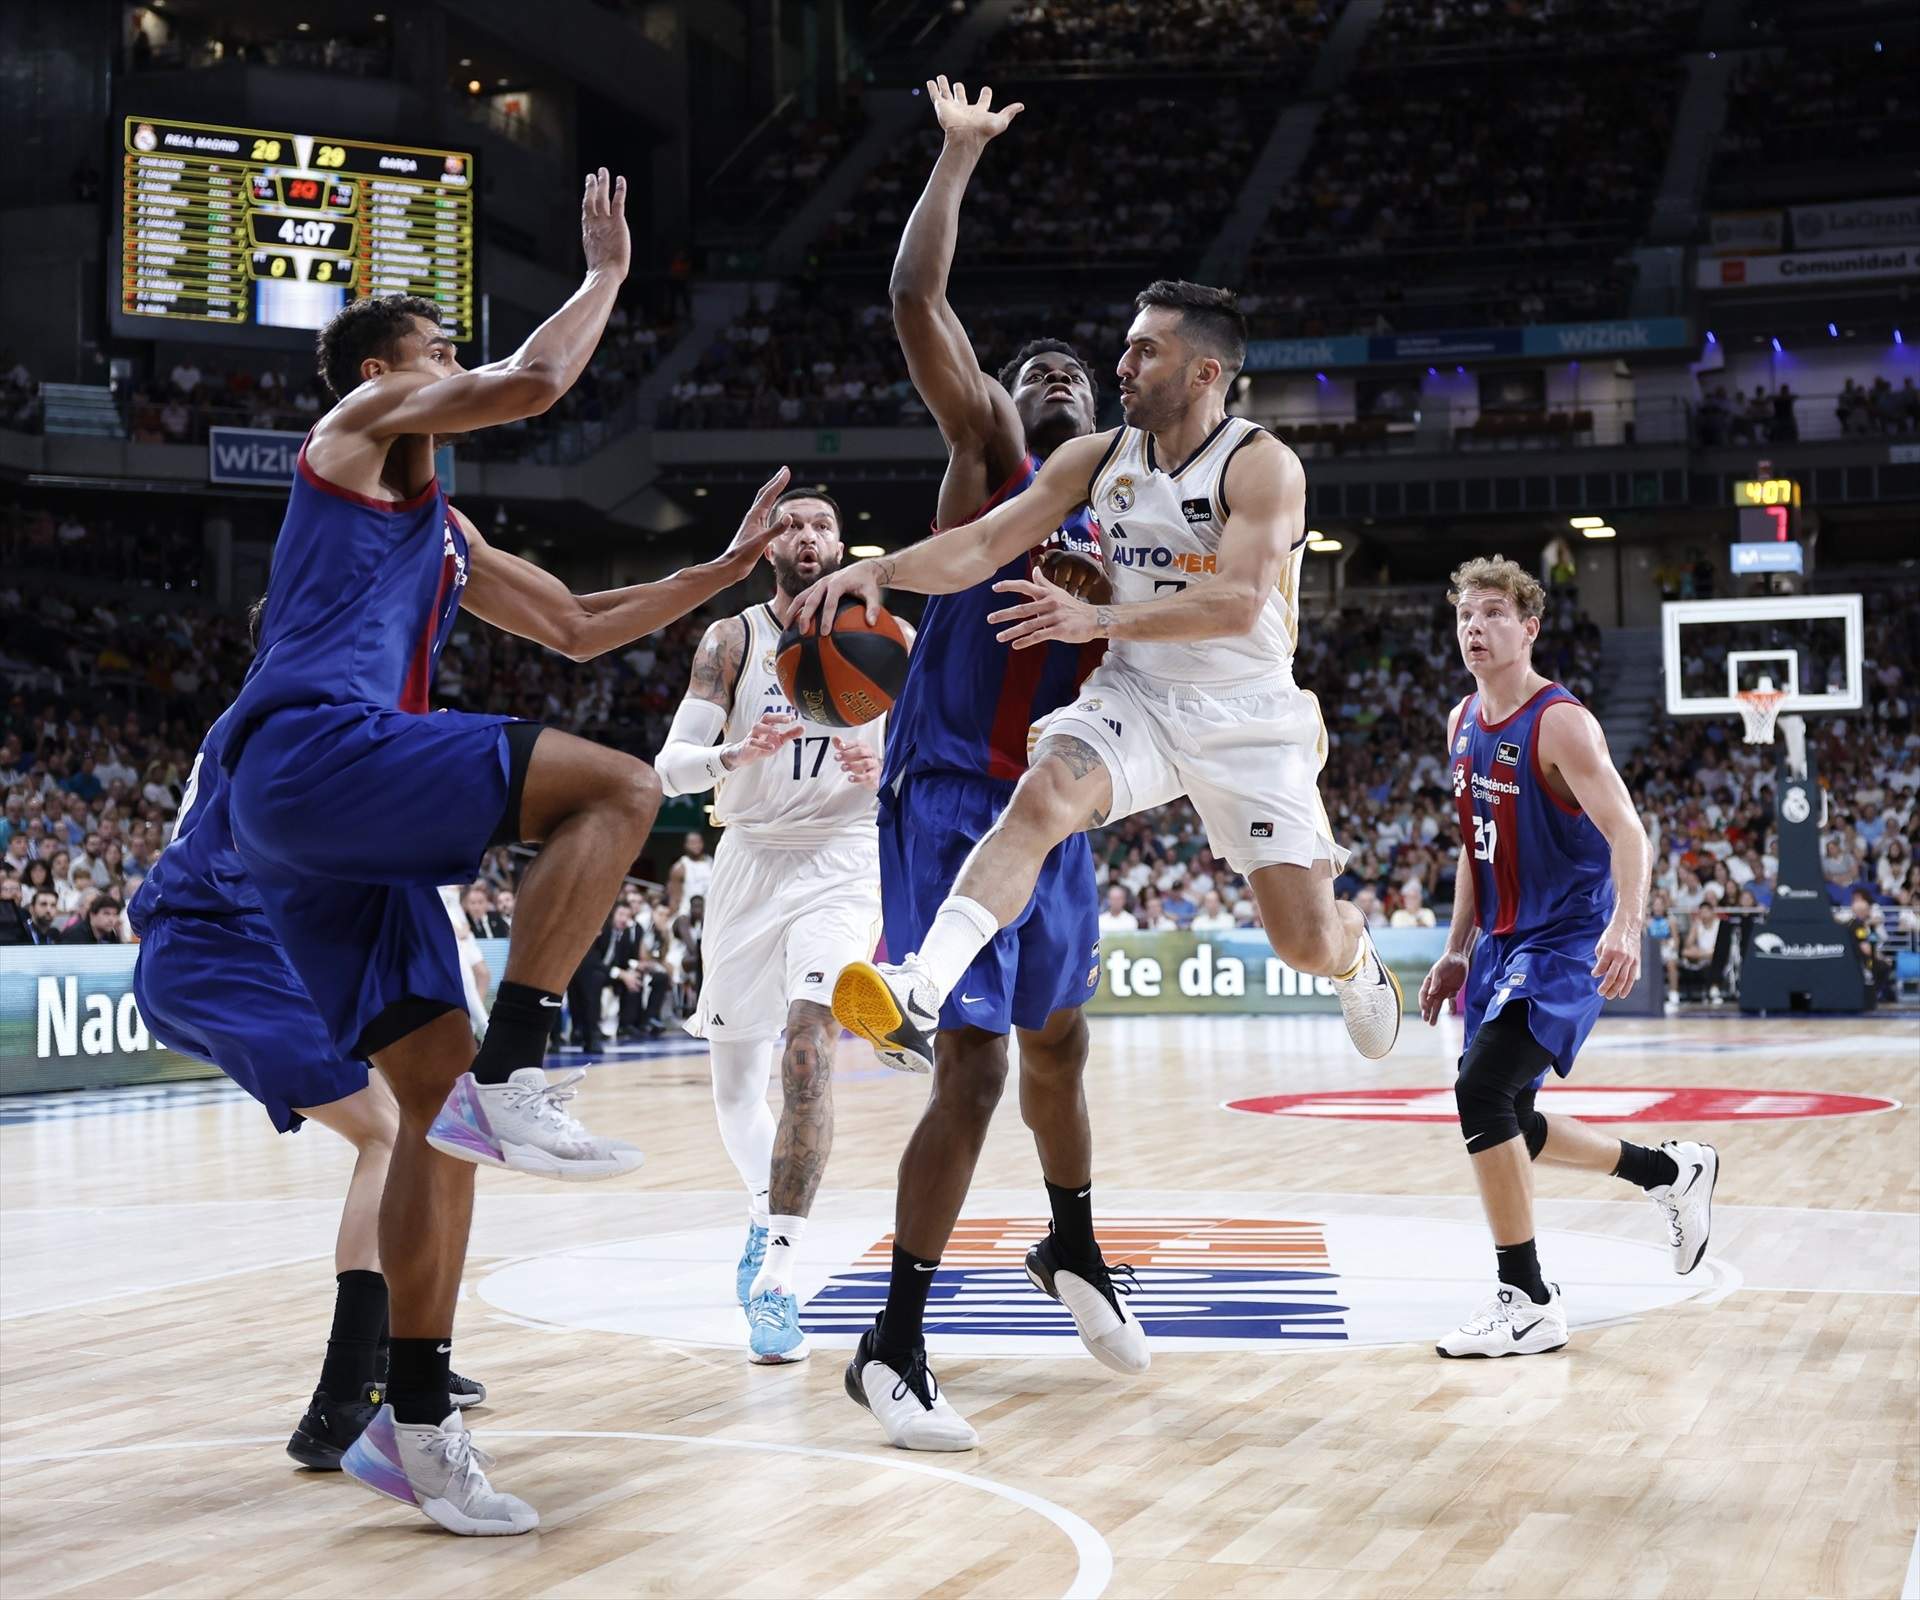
(795, 896)
(1203, 529)
(956, 750)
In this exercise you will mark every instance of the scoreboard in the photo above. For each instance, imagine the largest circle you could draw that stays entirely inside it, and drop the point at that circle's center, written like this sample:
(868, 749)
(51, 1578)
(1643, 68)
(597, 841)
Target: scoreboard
(269, 228)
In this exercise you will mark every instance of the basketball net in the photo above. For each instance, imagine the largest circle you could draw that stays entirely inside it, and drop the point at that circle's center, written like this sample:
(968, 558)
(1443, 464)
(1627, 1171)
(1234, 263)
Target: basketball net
(1758, 709)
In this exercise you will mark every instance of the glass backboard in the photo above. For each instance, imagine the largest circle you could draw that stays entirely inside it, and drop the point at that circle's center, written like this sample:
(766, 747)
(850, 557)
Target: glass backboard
(1807, 646)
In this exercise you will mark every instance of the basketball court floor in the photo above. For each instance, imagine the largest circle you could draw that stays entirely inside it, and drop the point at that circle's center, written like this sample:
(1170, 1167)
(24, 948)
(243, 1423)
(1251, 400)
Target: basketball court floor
(1301, 1237)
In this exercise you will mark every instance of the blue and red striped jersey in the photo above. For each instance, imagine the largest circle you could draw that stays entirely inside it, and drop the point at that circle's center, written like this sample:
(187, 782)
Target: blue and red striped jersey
(359, 603)
(1541, 869)
(969, 700)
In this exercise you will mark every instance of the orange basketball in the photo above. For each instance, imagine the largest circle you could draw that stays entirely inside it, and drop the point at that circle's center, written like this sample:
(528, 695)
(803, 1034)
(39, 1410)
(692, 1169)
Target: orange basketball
(846, 677)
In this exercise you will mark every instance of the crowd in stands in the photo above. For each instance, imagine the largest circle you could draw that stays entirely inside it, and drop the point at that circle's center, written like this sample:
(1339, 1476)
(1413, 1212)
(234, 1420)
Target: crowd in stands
(1878, 407)
(135, 549)
(200, 391)
(1400, 163)
(1074, 182)
(1422, 29)
(1274, 36)
(1852, 103)
(807, 361)
(107, 700)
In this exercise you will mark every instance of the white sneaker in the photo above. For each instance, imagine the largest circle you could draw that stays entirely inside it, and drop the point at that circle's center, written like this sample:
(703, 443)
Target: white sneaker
(1098, 1306)
(438, 1470)
(1687, 1202)
(1510, 1324)
(908, 1405)
(524, 1125)
(896, 1009)
(1370, 1001)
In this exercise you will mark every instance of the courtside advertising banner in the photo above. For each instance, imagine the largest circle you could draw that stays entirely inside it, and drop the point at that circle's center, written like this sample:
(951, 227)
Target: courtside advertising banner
(68, 1018)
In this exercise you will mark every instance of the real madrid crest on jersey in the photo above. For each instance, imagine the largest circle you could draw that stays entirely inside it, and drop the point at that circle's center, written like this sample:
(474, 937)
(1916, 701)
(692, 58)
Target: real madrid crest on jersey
(1120, 495)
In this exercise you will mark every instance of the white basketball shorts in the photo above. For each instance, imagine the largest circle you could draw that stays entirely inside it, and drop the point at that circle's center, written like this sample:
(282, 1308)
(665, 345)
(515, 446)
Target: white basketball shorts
(1249, 758)
(781, 922)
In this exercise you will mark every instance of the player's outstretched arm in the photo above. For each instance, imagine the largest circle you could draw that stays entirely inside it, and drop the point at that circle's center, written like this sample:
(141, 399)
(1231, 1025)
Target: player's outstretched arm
(949, 562)
(693, 759)
(1572, 746)
(1265, 491)
(523, 599)
(974, 413)
(536, 375)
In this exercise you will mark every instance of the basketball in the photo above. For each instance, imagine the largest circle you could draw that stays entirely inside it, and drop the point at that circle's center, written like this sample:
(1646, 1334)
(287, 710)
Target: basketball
(1080, 575)
(847, 677)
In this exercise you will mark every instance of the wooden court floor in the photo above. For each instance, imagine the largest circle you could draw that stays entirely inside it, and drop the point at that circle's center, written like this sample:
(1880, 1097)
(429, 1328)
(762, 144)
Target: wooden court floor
(1753, 1430)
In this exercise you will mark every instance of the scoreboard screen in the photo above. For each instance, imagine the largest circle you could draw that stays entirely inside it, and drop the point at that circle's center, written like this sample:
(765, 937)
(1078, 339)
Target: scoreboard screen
(263, 228)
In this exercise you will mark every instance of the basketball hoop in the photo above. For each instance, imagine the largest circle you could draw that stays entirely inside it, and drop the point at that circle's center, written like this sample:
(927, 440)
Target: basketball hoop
(1758, 709)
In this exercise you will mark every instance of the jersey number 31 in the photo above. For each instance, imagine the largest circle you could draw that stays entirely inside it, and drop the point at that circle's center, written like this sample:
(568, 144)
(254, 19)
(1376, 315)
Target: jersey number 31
(1486, 836)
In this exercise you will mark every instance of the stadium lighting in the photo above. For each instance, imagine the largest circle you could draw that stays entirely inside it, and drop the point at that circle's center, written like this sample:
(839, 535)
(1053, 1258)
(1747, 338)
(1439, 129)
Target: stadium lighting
(1325, 544)
(1320, 377)
(303, 27)
(379, 16)
(466, 61)
(1461, 370)
(473, 86)
(866, 516)
(700, 492)
(1433, 372)
(1832, 331)
(1896, 337)
(1601, 532)
(1710, 337)
(866, 552)
(1776, 344)
(1586, 522)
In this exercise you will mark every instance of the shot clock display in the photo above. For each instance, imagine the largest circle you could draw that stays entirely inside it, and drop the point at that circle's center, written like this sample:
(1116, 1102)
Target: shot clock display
(273, 229)
(1768, 509)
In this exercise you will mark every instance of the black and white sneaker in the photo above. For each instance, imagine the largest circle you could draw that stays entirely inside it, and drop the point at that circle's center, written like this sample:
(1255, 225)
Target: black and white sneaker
(896, 1009)
(1511, 1324)
(1097, 1303)
(907, 1403)
(330, 1425)
(1686, 1204)
(464, 1392)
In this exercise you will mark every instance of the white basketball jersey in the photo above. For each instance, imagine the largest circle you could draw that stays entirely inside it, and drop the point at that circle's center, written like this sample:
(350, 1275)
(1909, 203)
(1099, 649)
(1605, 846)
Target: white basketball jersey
(797, 795)
(1160, 531)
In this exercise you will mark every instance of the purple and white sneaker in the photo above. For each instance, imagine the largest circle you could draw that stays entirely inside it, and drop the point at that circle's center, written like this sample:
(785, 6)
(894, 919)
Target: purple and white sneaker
(437, 1470)
(524, 1126)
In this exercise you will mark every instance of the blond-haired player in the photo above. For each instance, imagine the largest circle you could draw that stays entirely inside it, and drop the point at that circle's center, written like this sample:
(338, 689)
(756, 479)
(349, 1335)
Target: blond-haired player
(1548, 911)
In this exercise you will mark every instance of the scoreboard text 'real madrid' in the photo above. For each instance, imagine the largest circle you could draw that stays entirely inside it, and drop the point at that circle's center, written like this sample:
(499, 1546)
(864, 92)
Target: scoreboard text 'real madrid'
(254, 227)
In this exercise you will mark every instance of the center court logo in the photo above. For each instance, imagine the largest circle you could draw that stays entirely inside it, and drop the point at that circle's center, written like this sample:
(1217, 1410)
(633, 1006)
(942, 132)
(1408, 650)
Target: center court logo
(1273, 1275)
(1232, 1278)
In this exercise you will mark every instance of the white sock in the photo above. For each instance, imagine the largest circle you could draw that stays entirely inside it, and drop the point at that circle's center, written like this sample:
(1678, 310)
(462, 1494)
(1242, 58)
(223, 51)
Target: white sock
(741, 1069)
(783, 1234)
(960, 931)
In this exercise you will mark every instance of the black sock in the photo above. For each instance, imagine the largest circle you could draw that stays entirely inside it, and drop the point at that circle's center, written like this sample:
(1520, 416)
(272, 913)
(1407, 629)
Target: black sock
(1520, 1269)
(1073, 1221)
(517, 1030)
(899, 1331)
(353, 1347)
(1648, 1168)
(417, 1379)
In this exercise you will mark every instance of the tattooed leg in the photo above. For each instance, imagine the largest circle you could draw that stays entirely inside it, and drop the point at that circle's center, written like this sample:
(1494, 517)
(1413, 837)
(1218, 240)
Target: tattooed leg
(1066, 790)
(804, 1139)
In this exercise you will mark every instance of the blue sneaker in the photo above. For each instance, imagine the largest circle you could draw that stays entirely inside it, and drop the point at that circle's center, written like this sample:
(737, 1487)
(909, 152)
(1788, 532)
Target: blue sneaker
(773, 1324)
(750, 1261)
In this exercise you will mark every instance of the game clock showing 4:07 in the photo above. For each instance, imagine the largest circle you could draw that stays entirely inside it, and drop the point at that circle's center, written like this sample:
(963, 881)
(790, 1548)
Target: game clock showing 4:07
(263, 228)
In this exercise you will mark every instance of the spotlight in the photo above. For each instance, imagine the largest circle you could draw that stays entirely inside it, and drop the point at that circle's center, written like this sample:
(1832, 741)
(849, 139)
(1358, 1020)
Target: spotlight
(866, 552)
(1586, 522)
(1323, 544)
(1775, 342)
(1832, 331)
(1601, 532)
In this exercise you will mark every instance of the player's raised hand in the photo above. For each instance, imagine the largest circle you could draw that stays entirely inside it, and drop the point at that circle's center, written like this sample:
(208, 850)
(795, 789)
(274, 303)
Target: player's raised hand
(976, 121)
(603, 224)
(858, 762)
(821, 604)
(767, 735)
(759, 525)
(1441, 984)
(1049, 613)
(1616, 960)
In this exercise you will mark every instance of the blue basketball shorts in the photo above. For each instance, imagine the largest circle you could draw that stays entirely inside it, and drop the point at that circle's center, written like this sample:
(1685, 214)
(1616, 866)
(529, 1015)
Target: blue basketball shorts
(1047, 960)
(348, 818)
(1561, 993)
(220, 989)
